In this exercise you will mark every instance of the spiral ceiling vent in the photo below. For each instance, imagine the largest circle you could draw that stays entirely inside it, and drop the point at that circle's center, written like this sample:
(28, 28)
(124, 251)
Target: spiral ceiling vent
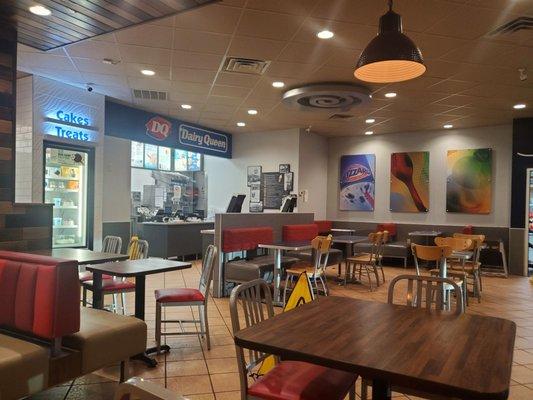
(327, 97)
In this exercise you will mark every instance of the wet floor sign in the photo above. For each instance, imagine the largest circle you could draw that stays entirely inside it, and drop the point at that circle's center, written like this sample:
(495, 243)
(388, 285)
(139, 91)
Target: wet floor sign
(301, 294)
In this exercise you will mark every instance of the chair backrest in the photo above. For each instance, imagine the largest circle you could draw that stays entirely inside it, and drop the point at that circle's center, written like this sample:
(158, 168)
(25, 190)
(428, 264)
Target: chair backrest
(429, 253)
(112, 244)
(324, 227)
(137, 248)
(457, 244)
(477, 243)
(208, 266)
(321, 245)
(255, 301)
(428, 292)
(299, 232)
(376, 241)
(39, 295)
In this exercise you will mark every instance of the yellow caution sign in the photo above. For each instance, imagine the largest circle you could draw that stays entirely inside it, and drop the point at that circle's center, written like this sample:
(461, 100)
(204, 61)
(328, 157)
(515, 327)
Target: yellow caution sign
(301, 293)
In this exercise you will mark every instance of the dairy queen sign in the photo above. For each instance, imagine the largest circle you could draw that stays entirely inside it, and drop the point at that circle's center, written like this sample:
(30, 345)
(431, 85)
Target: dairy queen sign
(142, 126)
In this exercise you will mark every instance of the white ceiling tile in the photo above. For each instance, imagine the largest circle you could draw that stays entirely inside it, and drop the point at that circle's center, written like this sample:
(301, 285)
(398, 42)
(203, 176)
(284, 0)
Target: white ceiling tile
(93, 49)
(193, 75)
(44, 60)
(144, 55)
(201, 42)
(146, 35)
(256, 48)
(196, 60)
(212, 18)
(268, 25)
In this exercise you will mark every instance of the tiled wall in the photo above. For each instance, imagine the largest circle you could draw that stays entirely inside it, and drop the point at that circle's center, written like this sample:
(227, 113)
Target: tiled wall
(24, 141)
(22, 226)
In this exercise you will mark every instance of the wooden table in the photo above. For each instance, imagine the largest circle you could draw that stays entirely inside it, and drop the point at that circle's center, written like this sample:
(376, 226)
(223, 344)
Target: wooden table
(426, 234)
(279, 248)
(344, 231)
(137, 269)
(467, 356)
(83, 256)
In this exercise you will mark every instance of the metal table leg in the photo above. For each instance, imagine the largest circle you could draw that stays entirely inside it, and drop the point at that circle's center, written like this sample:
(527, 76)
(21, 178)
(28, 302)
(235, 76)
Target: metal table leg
(380, 390)
(277, 277)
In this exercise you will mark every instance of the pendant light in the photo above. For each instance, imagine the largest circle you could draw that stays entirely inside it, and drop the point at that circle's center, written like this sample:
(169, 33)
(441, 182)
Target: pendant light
(391, 56)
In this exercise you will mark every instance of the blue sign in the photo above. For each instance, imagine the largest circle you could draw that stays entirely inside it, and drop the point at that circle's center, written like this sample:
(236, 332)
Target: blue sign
(68, 125)
(142, 126)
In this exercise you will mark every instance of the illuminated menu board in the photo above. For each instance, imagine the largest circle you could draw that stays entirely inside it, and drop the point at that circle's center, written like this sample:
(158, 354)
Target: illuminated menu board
(180, 160)
(150, 156)
(194, 161)
(164, 158)
(137, 154)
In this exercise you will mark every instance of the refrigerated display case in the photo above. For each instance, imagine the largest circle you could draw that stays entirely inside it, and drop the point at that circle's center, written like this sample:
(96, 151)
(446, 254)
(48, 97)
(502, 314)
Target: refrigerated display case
(68, 186)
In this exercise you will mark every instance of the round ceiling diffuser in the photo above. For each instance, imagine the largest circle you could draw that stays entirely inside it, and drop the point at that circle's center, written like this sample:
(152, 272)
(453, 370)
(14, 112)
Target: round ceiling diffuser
(327, 96)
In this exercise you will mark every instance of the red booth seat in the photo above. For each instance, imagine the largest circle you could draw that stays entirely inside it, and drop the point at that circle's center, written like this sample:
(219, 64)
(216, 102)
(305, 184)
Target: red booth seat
(39, 295)
(299, 233)
(389, 227)
(242, 239)
(324, 227)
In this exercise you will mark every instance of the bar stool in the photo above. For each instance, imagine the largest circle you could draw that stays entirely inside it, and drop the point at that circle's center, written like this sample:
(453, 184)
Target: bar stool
(187, 297)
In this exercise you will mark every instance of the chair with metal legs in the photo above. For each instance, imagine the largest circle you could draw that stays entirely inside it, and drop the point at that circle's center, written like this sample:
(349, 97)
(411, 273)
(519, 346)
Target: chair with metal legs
(187, 297)
(315, 272)
(110, 244)
(137, 249)
(251, 303)
(369, 262)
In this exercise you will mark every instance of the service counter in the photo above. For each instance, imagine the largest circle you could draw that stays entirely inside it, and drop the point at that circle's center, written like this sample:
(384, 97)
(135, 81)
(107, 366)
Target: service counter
(174, 239)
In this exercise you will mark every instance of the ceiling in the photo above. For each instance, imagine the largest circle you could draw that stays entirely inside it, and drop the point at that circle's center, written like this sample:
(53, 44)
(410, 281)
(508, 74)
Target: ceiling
(73, 21)
(472, 77)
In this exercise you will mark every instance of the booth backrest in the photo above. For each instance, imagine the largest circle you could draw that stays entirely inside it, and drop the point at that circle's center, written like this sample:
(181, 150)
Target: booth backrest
(298, 233)
(241, 239)
(324, 226)
(468, 230)
(39, 295)
(389, 227)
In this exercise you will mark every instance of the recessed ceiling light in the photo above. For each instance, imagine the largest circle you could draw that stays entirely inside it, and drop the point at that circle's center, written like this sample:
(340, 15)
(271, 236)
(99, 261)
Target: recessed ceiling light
(519, 106)
(370, 120)
(369, 133)
(147, 72)
(325, 34)
(186, 106)
(252, 112)
(241, 124)
(278, 84)
(447, 126)
(390, 95)
(40, 10)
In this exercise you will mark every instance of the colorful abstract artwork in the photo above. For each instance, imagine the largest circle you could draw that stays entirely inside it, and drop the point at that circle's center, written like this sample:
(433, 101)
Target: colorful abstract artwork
(409, 185)
(357, 182)
(469, 181)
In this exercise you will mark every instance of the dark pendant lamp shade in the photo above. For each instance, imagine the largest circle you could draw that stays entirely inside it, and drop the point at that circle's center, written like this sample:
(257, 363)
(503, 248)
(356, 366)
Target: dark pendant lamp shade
(391, 56)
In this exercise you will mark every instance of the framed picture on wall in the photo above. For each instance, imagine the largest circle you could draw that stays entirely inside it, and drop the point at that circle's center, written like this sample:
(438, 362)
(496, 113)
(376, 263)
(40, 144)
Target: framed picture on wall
(284, 168)
(357, 182)
(254, 175)
(409, 182)
(469, 181)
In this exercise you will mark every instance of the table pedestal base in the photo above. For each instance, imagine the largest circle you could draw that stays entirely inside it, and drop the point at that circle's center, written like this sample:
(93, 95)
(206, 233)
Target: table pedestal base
(150, 362)
(381, 390)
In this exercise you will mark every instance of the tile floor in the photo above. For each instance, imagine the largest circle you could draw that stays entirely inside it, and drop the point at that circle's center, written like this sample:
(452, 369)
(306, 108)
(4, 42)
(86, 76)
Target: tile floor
(191, 370)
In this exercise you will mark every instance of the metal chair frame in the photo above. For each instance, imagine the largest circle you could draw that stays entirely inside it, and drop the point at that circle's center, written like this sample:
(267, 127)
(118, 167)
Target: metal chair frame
(208, 266)
(321, 246)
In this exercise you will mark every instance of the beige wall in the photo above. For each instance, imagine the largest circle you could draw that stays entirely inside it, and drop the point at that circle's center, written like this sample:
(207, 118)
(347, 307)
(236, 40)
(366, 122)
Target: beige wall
(499, 138)
(313, 174)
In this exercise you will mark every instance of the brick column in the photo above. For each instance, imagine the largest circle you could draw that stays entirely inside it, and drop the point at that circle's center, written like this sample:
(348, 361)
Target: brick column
(22, 226)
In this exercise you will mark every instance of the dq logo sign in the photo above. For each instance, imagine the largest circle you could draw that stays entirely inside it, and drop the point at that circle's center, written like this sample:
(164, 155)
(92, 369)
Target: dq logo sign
(158, 128)
(356, 173)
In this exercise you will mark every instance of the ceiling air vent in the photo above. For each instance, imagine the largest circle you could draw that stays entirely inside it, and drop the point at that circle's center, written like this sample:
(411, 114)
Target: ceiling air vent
(342, 116)
(518, 24)
(334, 96)
(142, 94)
(245, 65)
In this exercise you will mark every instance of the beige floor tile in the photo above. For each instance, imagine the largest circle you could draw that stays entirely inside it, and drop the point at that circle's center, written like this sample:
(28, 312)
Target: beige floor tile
(235, 395)
(221, 365)
(225, 382)
(185, 368)
(185, 385)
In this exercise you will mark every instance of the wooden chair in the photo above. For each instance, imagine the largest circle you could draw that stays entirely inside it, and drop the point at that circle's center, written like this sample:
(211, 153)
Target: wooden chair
(370, 262)
(315, 272)
(251, 303)
(471, 268)
(422, 292)
(187, 297)
(439, 255)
